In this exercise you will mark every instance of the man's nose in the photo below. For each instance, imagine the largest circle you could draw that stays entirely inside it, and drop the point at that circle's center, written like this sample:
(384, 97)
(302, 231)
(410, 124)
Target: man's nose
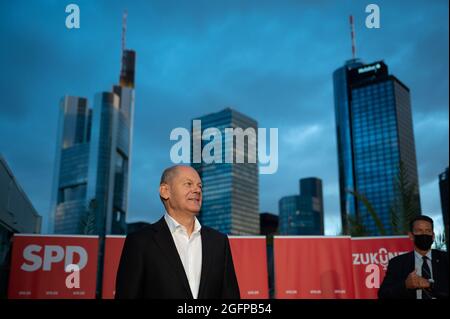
(197, 189)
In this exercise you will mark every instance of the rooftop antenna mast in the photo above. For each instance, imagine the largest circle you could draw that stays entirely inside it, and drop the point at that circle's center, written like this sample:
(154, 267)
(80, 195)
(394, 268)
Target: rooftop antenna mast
(352, 30)
(124, 28)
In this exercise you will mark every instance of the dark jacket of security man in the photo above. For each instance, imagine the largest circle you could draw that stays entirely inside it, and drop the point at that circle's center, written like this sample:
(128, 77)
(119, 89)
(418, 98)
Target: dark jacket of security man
(420, 274)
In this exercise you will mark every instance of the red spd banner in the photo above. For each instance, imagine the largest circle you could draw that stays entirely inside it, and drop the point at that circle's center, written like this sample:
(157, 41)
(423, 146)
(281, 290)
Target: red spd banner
(249, 257)
(370, 257)
(113, 251)
(53, 267)
(250, 263)
(313, 267)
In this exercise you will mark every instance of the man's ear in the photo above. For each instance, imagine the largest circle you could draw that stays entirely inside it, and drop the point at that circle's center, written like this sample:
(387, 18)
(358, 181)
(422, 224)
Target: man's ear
(411, 236)
(164, 191)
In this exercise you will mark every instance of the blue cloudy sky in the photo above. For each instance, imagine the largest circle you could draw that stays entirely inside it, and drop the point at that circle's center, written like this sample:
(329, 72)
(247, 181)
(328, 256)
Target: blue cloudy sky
(272, 60)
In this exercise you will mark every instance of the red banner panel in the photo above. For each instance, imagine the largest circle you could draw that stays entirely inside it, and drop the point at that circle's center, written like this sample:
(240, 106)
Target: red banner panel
(250, 263)
(53, 267)
(113, 251)
(370, 256)
(313, 267)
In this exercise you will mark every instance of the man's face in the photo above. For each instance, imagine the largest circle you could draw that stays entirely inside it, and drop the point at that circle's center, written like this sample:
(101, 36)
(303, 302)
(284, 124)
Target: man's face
(421, 227)
(184, 191)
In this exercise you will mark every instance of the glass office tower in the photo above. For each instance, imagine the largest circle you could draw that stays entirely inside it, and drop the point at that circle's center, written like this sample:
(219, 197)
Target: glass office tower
(230, 190)
(374, 135)
(93, 160)
(303, 214)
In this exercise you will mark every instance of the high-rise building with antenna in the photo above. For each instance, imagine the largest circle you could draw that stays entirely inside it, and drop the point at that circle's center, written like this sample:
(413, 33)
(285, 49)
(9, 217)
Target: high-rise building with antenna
(352, 31)
(91, 177)
(375, 139)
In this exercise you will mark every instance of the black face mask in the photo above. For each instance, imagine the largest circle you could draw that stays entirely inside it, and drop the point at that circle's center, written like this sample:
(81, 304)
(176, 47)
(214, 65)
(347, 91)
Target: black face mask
(423, 242)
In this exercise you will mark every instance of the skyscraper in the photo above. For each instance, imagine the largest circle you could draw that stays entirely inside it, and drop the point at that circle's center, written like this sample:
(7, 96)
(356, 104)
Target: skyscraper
(311, 190)
(230, 190)
(303, 214)
(71, 166)
(374, 136)
(92, 164)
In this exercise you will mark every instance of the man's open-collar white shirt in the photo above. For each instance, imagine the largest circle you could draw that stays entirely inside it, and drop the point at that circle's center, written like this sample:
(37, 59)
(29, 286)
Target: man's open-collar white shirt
(189, 249)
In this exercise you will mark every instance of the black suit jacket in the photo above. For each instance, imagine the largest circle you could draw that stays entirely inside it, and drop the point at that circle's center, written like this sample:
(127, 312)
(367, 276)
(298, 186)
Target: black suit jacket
(150, 266)
(400, 267)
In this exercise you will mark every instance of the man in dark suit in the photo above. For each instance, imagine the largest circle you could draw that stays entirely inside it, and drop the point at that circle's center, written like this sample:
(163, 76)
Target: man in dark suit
(177, 257)
(420, 274)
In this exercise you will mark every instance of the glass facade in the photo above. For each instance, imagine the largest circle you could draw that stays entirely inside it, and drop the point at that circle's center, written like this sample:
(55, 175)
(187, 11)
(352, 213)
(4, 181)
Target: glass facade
(288, 214)
(344, 139)
(93, 160)
(303, 214)
(374, 133)
(72, 156)
(312, 194)
(230, 190)
(17, 215)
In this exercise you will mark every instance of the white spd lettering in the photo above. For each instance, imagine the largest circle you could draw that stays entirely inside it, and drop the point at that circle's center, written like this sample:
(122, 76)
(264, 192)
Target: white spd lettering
(52, 254)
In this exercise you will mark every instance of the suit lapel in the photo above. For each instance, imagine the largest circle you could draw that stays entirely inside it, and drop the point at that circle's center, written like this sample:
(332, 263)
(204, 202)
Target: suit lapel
(435, 264)
(410, 267)
(165, 242)
(206, 255)
(411, 262)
